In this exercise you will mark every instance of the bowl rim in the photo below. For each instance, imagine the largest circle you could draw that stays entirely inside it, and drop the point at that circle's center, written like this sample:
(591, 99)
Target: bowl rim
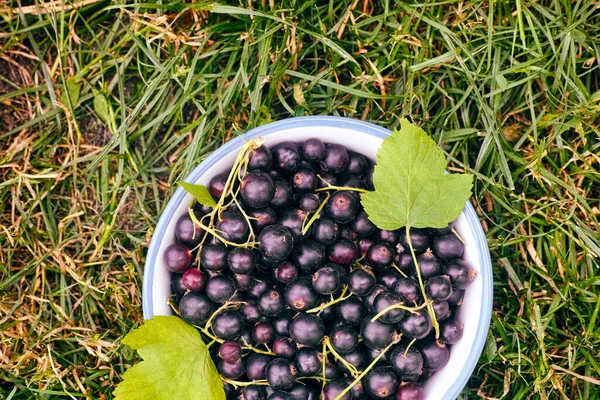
(344, 123)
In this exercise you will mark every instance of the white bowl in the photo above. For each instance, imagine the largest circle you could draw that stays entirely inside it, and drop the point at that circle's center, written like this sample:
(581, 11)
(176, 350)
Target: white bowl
(364, 138)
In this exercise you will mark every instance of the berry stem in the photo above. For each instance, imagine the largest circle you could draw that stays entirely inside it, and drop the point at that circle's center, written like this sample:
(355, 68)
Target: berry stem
(364, 373)
(323, 367)
(332, 302)
(351, 189)
(400, 306)
(236, 384)
(257, 350)
(315, 216)
(430, 309)
(337, 356)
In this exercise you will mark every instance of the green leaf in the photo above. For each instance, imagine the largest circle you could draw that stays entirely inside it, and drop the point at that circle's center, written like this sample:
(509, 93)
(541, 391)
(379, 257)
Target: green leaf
(73, 89)
(101, 107)
(176, 364)
(411, 188)
(200, 192)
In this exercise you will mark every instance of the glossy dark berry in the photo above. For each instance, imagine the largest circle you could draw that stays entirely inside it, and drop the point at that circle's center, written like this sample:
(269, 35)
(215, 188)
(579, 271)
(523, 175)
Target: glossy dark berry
(309, 202)
(351, 181)
(419, 237)
(342, 206)
(284, 347)
(299, 391)
(280, 395)
(448, 247)
(281, 374)
(283, 194)
(404, 261)
(300, 295)
(177, 284)
(313, 149)
(259, 158)
(254, 392)
(230, 351)
(352, 311)
(342, 252)
(308, 255)
(380, 255)
(275, 242)
(231, 370)
(365, 244)
(347, 233)
(406, 362)
(369, 299)
(362, 225)
(390, 237)
(331, 370)
(325, 231)
(177, 257)
(228, 325)
(441, 310)
(257, 189)
(195, 308)
(261, 218)
(304, 180)
(241, 260)
(456, 298)
(361, 282)
(270, 302)
(256, 288)
(336, 158)
(409, 289)
(286, 157)
(415, 325)
(381, 383)
(263, 333)
(220, 288)
(438, 288)
(326, 179)
(372, 354)
(187, 232)
(451, 331)
(357, 358)
(342, 270)
(385, 300)
(281, 323)
(256, 366)
(250, 312)
(286, 272)
(308, 362)
(344, 339)
(293, 219)
(307, 329)
(217, 184)
(435, 355)
(460, 273)
(376, 334)
(368, 177)
(429, 265)
(246, 339)
(233, 227)
(333, 389)
(388, 278)
(214, 257)
(328, 314)
(326, 280)
(357, 164)
(410, 391)
(194, 280)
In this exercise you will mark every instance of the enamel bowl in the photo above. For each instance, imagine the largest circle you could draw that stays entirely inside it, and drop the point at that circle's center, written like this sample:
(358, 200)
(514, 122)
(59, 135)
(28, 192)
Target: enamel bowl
(364, 138)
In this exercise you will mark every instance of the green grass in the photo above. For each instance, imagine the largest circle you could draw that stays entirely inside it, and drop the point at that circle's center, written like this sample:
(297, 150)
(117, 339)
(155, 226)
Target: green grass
(103, 107)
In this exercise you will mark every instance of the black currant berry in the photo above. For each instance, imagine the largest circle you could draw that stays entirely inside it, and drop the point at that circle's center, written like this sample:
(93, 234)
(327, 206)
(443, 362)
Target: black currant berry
(344, 339)
(435, 355)
(357, 358)
(362, 225)
(369, 299)
(286, 157)
(275, 242)
(187, 232)
(419, 238)
(233, 227)
(326, 280)
(177, 257)
(333, 389)
(194, 280)
(380, 255)
(390, 237)
(365, 244)
(441, 310)
(307, 329)
(263, 333)
(460, 274)
(231, 370)
(406, 362)
(257, 189)
(293, 219)
(313, 150)
(410, 391)
(352, 311)
(281, 374)
(336, 159)
(388, 278)
(438, 288)
(304, 180)
(381, 383)
(357, 164)
(214, 257)
(286, 272)
(308, 255)
(300, 295)
(217, 184)
(385, 300)
(448, 247)
(284, 347)
(299, 391)
(451, 331)
(409, 289)
(415, 326)
(250, 312)
(309, 202)
(241, 260)
(256, 288)
(326, 179)
(270, 302)
(230, 351)
(220, 288)
(429, 265)
(342, 206)
(280, 395)
(342, 252)
(325, 231)
(256, 366)
(456, 298)
(228, 325)
(377, 334)
(177, 284)
(361, 282)
(254, 392)
(261, 218)
(308, 362)
(283, 194)
(259, 158)
(195, 308)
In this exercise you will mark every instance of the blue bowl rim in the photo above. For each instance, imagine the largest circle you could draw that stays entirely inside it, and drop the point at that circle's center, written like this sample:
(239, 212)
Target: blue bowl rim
(344, 123)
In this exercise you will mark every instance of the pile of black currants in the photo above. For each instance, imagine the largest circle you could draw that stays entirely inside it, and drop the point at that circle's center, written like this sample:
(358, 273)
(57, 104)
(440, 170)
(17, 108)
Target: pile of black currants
(299, 295)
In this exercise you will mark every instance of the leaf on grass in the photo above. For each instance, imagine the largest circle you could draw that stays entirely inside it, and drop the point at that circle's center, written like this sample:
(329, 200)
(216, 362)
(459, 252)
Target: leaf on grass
(176, 364)
(101, 107)
(200, 192)
(72, 88)
(411, 188)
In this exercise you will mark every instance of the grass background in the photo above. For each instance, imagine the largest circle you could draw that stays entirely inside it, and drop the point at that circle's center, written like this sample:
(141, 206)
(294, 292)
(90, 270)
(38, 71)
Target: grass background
(105, 104)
